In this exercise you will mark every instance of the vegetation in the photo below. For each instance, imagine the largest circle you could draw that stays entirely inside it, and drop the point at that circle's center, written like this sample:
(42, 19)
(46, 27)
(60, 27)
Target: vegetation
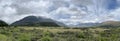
(59, 34)
(2, 23)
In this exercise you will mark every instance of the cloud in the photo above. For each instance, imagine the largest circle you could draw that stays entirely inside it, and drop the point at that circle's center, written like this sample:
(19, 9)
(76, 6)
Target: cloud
(115, 14)
(66, 11)
(82, 2)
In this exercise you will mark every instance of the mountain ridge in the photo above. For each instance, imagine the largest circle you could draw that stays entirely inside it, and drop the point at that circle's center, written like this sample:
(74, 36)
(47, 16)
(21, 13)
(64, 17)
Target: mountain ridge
(2, 23)
(36, 21)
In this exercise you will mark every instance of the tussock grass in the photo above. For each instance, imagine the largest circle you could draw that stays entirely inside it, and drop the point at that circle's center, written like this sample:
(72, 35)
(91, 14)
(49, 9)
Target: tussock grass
(59, 34)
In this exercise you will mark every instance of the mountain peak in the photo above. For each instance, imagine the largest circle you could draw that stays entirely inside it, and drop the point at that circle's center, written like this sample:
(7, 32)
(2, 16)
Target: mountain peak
(36, 21)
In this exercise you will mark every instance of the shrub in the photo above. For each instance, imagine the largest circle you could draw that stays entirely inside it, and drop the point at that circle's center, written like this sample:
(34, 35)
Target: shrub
(3, 37)
(24, 37)
(47, 38)
(80, 35)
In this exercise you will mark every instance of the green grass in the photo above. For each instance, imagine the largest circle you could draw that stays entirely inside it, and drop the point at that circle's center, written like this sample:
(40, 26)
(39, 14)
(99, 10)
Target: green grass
(59, 34)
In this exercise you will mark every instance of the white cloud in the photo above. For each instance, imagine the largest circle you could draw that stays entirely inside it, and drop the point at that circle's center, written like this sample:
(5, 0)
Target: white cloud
(116, 14)
(67, 11)
(36, 4)
(9, 11)
(82, 2)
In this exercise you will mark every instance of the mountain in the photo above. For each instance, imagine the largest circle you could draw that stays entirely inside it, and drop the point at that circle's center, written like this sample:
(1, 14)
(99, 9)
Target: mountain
(37, 21)
(103, 24)
(110, 24)
(2, 23)
(87, 24)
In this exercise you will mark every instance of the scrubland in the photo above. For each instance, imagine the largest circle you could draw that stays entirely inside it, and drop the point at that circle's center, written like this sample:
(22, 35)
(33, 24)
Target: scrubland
(59, 34)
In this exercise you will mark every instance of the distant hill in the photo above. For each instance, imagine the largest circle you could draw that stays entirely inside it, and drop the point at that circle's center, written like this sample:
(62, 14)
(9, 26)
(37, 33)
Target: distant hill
(103, 24)
(41, 21)
(88, 24)
(37, 21)
(85, 25)
(110, 24)
(2, 23)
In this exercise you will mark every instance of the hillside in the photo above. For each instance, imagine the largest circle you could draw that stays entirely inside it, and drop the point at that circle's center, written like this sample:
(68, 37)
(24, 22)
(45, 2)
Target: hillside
(110, 24)
(88, 24)
(36, 21)
(2, 23)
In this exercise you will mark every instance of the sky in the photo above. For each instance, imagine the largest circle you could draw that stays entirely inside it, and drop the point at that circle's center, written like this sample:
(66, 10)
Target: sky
(70, 12)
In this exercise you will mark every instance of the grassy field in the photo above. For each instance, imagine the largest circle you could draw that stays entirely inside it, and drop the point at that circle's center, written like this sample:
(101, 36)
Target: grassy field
(59, 34)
